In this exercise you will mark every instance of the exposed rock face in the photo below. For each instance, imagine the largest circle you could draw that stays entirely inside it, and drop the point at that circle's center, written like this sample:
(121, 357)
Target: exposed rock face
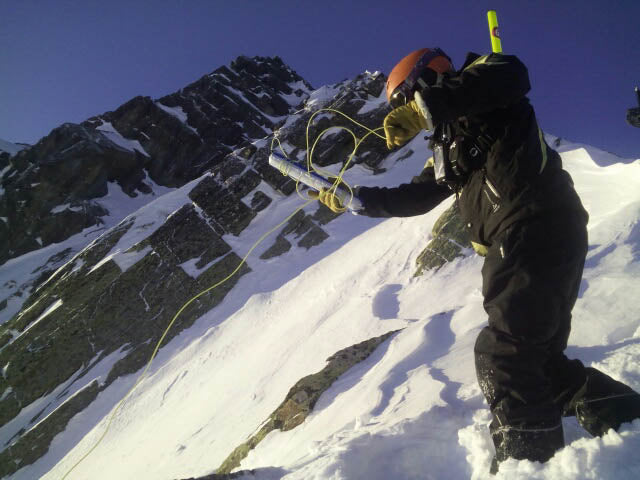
(52, 190)
(302, 227)
(303, 396)
(450, 241)
(104, 309)
(262, 473)
(67, 169)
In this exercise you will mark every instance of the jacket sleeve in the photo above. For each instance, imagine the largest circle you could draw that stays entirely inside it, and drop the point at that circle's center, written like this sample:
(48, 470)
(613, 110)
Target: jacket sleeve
(490, 82)
(407, 200)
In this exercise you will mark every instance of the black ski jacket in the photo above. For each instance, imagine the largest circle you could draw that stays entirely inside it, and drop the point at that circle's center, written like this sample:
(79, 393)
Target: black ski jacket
(520, 178)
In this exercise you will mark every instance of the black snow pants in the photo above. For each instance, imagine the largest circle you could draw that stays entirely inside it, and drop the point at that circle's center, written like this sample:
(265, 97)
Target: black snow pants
(531, 279)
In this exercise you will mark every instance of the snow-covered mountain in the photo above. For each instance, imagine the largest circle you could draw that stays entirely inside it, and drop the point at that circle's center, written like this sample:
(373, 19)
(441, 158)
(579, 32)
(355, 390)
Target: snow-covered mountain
(237, 373)
(56, 188)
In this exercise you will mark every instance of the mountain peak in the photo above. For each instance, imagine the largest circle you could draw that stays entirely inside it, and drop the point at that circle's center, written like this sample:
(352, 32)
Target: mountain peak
(171, 140)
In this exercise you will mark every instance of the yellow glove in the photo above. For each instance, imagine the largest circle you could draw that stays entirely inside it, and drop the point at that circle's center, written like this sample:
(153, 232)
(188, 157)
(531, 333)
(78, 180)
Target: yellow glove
(402, 124)
(331, 201)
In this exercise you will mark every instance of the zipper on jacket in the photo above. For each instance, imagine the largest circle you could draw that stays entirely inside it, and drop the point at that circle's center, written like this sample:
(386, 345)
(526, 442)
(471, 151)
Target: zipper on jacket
(493, 189)
(495, 205)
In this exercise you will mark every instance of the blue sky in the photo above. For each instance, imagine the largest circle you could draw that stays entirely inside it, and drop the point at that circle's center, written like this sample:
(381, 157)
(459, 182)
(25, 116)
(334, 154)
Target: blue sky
(64, 61)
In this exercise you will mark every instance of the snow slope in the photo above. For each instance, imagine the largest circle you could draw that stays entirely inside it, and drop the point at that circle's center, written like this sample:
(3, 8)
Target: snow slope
(412, 410)
(17, 274)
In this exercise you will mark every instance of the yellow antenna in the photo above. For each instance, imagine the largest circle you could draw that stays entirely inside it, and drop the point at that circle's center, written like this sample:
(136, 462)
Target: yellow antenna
(496, 44)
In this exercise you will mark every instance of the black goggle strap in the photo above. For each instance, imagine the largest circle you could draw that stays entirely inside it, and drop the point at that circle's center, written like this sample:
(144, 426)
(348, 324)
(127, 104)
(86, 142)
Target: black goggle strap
(436, 79)
(402, 94)
(418, 70)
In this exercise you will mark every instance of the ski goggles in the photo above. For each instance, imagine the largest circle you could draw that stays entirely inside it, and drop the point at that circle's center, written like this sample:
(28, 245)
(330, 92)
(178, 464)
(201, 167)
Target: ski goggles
(420, 74)
(400, 97)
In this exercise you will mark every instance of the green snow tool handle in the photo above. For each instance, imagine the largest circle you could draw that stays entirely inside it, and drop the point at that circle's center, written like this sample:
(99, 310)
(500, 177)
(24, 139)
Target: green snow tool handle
(496, 43)
(313, 180)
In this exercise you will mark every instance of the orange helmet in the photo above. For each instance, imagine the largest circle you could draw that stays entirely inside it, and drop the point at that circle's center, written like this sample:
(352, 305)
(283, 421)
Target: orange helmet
(422, 63)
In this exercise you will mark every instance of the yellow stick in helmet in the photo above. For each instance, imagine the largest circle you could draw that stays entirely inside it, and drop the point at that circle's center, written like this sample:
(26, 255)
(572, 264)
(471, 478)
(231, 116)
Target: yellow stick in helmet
(496, 44)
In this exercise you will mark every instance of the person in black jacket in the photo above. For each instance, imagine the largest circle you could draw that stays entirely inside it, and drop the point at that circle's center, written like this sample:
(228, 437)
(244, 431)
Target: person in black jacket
(522, 209)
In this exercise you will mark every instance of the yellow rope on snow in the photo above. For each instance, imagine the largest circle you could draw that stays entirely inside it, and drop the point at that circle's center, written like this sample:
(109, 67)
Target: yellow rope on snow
(310, 167)
(173, 320)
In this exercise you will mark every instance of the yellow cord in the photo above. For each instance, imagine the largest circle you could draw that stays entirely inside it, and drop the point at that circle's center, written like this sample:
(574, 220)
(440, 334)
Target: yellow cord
(173, 320)
(338, 179)
(310, 167)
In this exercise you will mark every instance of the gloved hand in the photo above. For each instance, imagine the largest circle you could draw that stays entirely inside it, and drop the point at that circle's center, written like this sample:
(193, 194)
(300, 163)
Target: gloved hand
(403, 123)
(331, 201)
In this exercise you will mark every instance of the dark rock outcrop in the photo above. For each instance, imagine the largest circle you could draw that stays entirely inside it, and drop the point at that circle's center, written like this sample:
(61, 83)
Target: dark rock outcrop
(450, 241)
(104, 309)
(49, 189)
(303, 396)
(52, 190)
(269, 473)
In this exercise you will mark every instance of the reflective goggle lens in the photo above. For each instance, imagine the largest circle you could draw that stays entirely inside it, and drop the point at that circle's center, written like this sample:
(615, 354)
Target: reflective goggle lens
(398, 99)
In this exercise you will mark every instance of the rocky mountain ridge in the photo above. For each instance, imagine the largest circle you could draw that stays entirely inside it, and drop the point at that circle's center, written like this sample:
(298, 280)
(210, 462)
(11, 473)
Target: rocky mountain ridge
(53, 189)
